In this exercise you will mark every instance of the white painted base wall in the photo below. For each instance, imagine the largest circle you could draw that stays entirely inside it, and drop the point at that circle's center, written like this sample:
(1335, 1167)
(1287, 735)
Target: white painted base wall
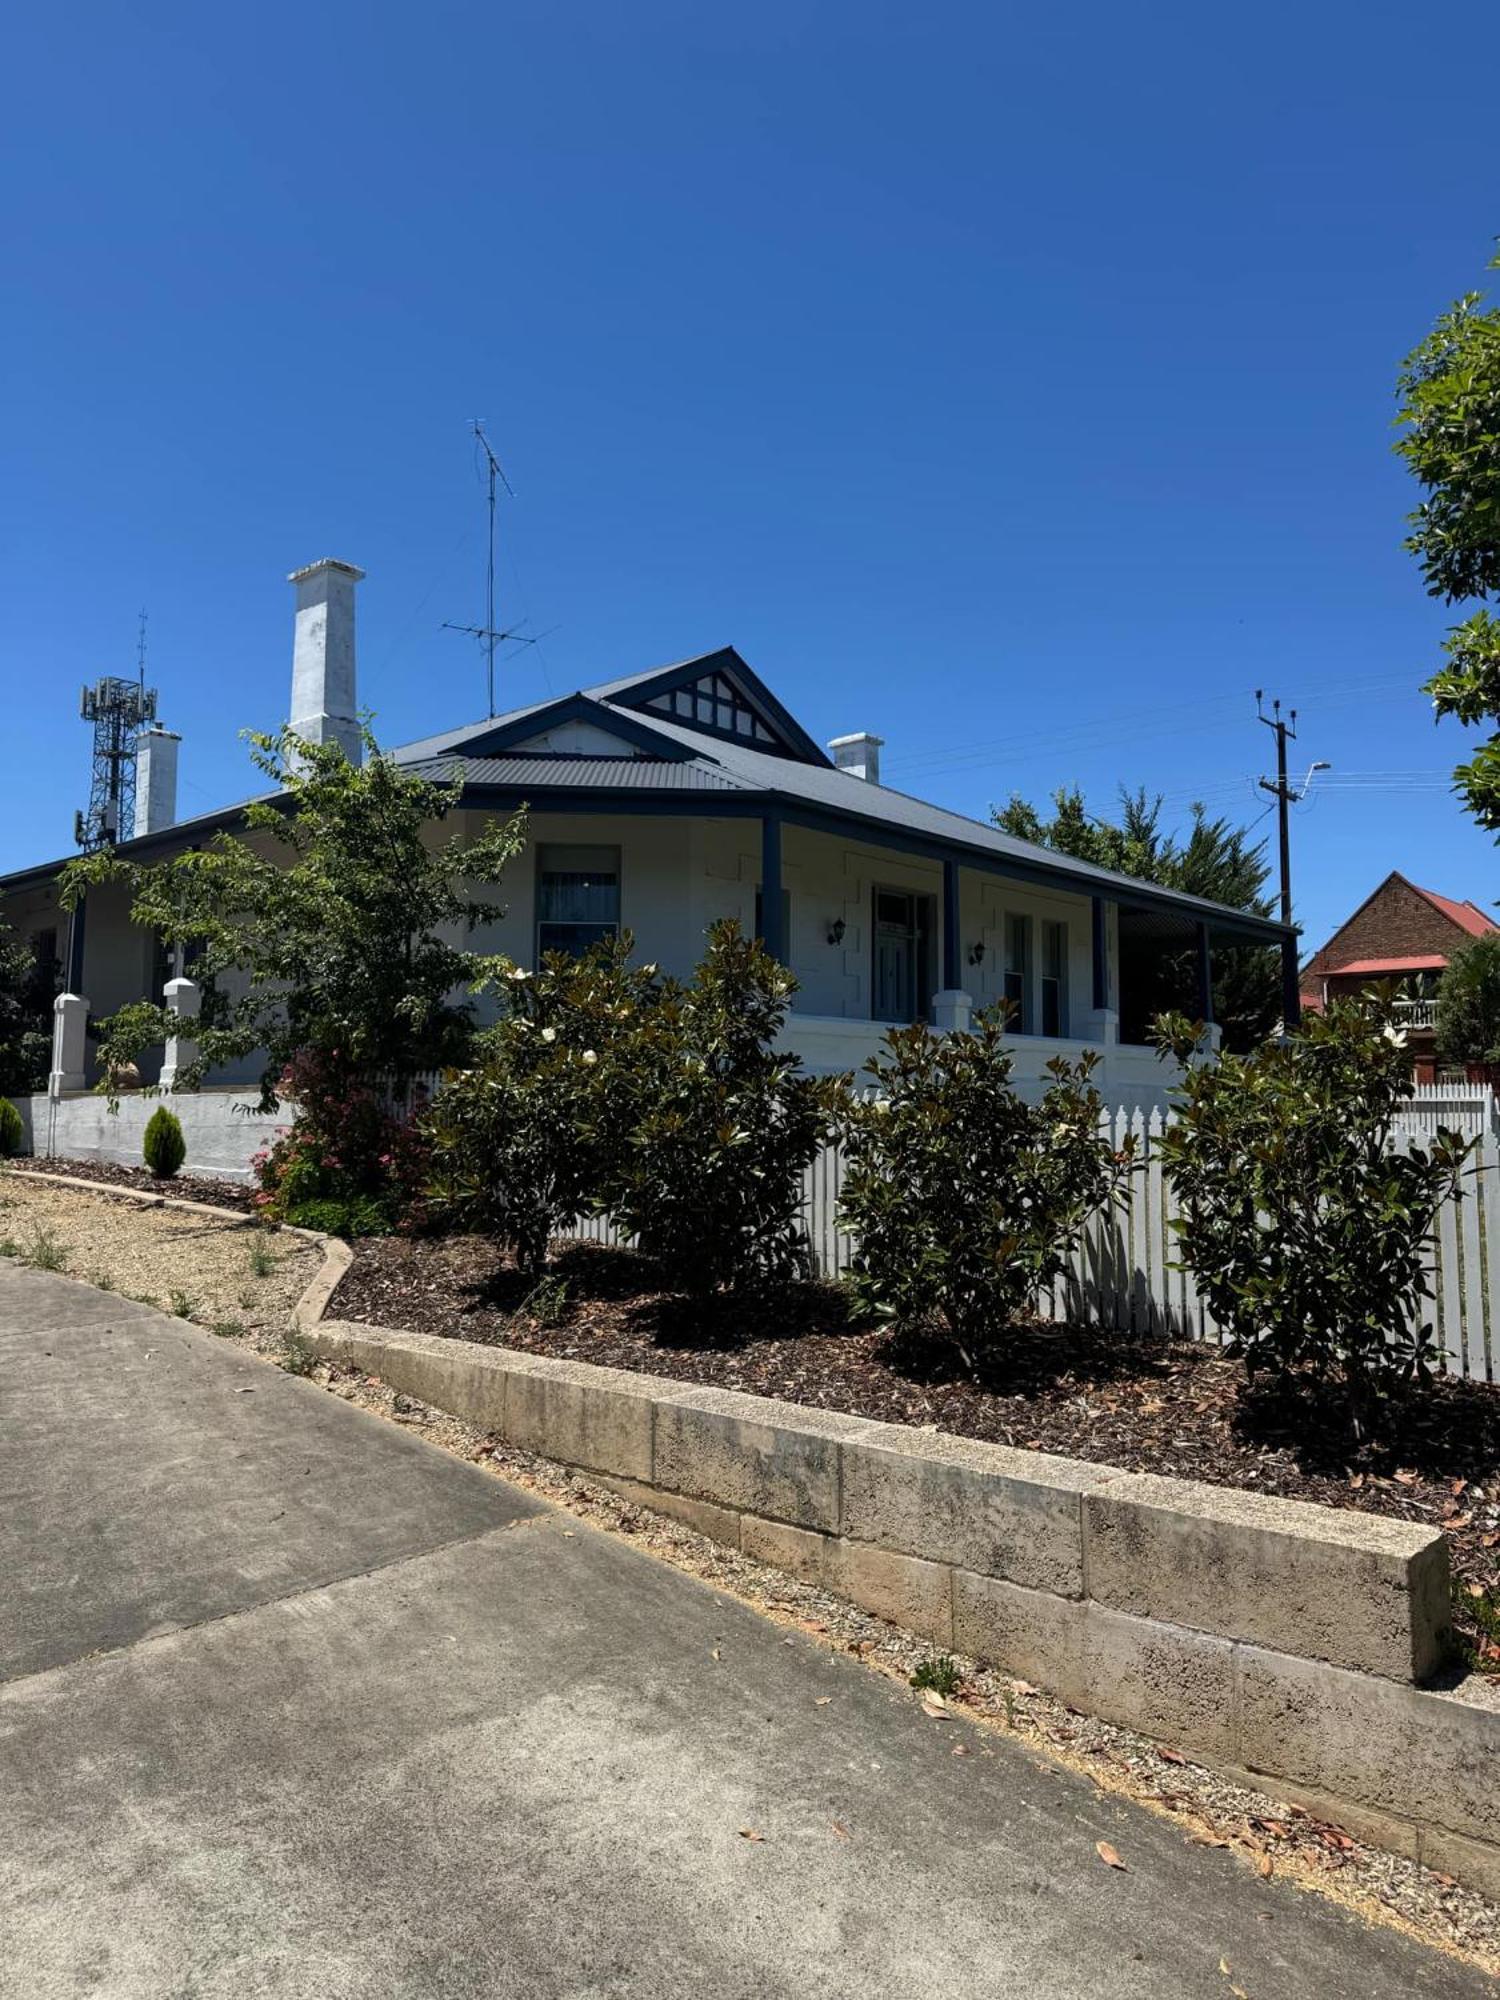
(223, 1129)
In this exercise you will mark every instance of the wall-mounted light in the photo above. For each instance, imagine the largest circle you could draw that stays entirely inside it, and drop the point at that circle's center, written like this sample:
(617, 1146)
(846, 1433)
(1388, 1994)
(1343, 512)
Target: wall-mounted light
(976, 953)
(836, 931)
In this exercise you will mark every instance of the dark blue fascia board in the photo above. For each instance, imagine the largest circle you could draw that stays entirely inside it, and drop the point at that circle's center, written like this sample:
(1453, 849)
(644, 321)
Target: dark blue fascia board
(874, 833)
(571, 708)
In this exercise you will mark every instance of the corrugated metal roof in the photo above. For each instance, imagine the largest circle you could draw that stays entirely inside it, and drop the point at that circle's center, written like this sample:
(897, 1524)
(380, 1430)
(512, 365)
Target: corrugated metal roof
(543, 773)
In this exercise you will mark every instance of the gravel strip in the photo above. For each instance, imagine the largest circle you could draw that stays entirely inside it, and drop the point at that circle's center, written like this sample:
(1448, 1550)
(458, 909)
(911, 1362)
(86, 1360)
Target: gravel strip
(1268, 1834)
(196, 1266)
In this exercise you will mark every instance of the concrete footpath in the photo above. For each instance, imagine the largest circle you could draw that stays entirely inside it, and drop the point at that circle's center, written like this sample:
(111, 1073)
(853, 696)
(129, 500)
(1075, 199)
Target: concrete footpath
(294, 1704)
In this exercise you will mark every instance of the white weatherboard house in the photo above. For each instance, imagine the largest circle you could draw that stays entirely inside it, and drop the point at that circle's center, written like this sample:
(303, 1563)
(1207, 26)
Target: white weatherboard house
(661, 801)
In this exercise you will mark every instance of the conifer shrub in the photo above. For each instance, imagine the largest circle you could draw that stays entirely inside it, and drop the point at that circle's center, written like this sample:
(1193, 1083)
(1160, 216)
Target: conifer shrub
(163, 1147)
(12, 1130)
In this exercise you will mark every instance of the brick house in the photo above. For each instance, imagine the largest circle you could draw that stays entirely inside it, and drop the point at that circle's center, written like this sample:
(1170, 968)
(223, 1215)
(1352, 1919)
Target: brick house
(1403, 933)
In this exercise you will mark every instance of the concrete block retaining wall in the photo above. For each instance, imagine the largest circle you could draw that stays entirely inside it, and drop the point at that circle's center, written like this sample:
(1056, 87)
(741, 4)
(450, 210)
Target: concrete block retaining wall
(1273, 1639)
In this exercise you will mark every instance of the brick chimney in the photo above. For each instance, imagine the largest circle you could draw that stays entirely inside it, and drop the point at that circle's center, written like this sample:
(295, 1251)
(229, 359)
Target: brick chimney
(324, 706)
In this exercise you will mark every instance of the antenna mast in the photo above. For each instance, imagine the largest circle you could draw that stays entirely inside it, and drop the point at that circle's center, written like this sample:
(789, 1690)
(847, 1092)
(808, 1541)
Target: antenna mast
(118, 710)
(487, 634)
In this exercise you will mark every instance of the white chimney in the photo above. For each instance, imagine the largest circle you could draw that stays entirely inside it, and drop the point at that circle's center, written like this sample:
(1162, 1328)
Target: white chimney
(859, 755)
(324, 709)
(155, 779)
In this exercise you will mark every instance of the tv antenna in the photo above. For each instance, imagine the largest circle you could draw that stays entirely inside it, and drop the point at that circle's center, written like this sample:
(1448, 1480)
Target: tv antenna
(488, 635)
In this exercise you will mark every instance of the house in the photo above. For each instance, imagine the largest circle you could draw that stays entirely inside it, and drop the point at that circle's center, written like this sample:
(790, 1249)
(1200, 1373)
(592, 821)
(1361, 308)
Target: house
(1405, 934)
(663, 800)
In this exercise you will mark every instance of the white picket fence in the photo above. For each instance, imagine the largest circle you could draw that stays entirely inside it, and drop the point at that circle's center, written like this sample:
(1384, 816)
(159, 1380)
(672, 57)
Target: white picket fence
(1124, 1276)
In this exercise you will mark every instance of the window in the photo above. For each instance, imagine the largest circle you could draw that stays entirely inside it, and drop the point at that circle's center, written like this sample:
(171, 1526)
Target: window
(901, 986)
(1054, 979)
(1017, 980)
(577, 898)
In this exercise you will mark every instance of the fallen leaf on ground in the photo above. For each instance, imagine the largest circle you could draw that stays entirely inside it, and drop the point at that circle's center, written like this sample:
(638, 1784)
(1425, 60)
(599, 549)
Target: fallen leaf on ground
(1265, 1866)
(1024, 1687)
(840, 1829)
(819, 1700)
(933, 1704)
(749, 1833)
(1171, 1756)
(1109, 1857)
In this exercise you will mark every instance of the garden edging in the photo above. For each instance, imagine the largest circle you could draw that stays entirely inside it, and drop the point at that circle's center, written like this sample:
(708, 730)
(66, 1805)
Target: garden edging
(1268, 1637)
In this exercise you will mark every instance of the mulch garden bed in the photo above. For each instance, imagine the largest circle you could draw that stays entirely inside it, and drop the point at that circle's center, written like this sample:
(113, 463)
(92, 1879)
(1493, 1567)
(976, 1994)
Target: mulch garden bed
(1145, 1406)
(182, 1187)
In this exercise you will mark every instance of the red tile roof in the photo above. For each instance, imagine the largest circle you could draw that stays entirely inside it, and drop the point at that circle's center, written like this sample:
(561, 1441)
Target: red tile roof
(1468, 916)
(1376, 967)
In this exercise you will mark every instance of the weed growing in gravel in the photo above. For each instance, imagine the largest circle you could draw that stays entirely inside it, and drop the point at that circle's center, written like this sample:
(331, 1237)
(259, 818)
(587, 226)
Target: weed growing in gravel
(229, 1329)
(262, 1263)
(44, 1252)
(547, 1301)
(183, 1304)
(298, 1356)
(939, 1673)
(9, 1247)
(101, 1281)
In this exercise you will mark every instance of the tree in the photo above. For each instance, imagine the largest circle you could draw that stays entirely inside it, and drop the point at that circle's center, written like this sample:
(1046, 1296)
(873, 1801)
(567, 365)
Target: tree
(1468, 1005)
(1305, 1229)
(1449, 390)
(324, 924)
(1217, 861)
(27, 985)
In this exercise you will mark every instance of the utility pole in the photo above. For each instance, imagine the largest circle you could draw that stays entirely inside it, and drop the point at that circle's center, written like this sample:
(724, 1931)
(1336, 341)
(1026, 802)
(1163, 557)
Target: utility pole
(1286, 796)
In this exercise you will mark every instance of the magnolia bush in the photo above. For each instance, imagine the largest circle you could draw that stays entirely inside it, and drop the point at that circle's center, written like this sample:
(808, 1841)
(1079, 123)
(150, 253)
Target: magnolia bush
(964, 1199)
(1301, 1224)
(724, 1126)
(534, 1134)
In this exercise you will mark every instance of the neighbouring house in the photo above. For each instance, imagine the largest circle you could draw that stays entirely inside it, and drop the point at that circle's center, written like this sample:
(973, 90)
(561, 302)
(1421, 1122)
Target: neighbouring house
(1405, 934)
(663, 800)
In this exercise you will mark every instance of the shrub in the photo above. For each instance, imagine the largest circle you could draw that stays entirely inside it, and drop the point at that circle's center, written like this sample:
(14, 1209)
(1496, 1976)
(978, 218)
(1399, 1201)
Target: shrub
(1300, 1223)
(1468, 1005)
(533, 1135)
(12, 1130)
(964, 1199)
(725, 1126)
(163, 1147)
(346, 1164)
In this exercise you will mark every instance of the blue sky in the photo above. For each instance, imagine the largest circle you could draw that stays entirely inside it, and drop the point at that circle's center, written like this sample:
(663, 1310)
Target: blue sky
(1015, 382)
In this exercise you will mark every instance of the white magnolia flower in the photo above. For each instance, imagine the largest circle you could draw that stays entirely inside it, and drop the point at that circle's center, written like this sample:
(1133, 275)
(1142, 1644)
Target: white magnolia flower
(549, 1034)
(519, 972)
(1394, 1035)
(590, 1058)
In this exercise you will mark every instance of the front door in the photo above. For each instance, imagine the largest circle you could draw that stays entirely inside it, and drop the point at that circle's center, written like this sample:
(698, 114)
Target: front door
(902, 933)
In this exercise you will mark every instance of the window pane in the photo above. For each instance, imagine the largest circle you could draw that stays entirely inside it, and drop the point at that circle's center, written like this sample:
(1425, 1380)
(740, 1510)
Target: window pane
(1051, 1007)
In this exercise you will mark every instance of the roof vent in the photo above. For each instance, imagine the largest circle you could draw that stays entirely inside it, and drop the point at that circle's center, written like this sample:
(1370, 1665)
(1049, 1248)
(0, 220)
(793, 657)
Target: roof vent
(859, 755)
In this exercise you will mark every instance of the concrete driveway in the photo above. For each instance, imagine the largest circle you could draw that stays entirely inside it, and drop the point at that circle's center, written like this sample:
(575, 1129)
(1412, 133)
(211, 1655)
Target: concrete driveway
(293, 1704)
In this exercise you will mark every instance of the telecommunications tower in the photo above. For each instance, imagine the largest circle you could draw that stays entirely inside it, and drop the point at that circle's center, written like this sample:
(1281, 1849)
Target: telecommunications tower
(118, 709)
